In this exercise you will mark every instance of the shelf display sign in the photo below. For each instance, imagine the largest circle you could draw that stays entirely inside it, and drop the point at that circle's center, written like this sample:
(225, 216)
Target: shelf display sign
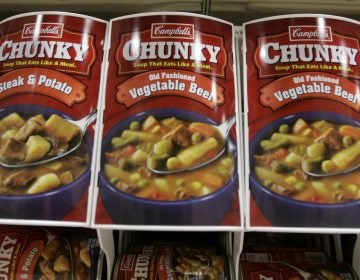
(303, 123)
(50, 69)
(169, 139)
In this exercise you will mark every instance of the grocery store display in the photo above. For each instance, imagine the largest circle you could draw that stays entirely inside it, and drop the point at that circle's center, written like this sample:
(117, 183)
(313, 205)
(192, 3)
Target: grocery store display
(173, 261)
(48, 253)
(51, 65)
(303, 119)
(170, 85)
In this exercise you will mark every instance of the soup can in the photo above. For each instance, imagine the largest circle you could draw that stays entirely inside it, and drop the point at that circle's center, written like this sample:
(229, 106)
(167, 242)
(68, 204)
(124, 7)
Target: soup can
(48, 253)
(302, 97)
(50, 74)
(166, 267)
(281, 270)
(170, 80)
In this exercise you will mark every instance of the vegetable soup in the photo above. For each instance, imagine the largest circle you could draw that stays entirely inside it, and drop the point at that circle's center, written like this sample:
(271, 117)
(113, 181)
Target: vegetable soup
(320, 147)
(25, 139)
(172, 144)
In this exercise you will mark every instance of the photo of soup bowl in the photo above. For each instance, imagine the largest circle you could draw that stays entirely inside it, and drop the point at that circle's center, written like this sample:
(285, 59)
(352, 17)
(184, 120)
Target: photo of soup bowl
(125, 207)
(51, 204)
(309, 201)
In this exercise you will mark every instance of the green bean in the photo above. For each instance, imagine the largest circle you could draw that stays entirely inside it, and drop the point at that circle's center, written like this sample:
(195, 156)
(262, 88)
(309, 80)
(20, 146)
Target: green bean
(119, 142)
(294, 139)
(196, 152)
(328, 166)
(173, 163)
(284, 128)
(141, 135)
(268, 146)
(345, 157)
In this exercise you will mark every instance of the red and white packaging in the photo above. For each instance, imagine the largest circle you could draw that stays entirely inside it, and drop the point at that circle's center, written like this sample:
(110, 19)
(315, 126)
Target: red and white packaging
(163, 67)
(50, 75)
(301, 75)
(36, 253)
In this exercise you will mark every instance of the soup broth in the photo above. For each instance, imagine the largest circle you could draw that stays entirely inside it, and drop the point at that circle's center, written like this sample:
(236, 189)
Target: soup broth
(325, 147)
(175, 144)
(28, 138)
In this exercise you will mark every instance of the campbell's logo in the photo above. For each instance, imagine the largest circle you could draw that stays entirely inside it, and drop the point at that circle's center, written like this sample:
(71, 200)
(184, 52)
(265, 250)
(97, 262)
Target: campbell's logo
(172, 30)
(309, 33)
(47, 30)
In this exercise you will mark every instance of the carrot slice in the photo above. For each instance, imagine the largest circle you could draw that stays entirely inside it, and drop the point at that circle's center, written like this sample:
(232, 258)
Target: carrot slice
(204, 129)
(350, 131)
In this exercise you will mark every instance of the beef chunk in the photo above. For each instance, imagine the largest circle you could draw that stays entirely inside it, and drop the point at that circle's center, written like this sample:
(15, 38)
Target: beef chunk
(180, 136)
(31, 127)
(19, 179)
(13, 151)
(331, 138)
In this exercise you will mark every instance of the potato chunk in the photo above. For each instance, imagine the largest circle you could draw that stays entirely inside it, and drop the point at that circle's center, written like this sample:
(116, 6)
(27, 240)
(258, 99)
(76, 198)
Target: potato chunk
(36, 148)
(45, 183)
(60, 128)
(13, 121)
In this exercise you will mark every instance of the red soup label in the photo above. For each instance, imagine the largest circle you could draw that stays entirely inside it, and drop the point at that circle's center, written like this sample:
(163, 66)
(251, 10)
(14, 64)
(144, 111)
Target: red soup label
(170, 90)
(50, 68)
(303, 102)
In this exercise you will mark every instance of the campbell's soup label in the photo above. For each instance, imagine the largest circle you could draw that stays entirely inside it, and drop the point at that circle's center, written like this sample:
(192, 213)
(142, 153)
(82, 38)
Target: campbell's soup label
(50, 72)
(302, 99)
(37, 253)
(135, 266)
(169, 87)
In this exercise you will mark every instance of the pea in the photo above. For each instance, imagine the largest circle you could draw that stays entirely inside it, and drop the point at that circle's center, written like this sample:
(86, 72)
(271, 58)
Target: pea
(347, 141)
(316, 150)
(205, 190)
(173, 163)
(135, 125)
(299, 186)
(336, 185)
(163, 147)
(196, 185)
(196, 138)
(227, 162)
(284, 128)
(135, 177)
(268, 183)
(143, 183)
(291, 180)
(352, 188)
(180, 182)
(223, 171)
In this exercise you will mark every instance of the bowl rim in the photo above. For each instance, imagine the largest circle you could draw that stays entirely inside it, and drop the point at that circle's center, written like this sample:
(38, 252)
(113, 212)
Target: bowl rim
(21, 108)
(268, 129)
(164, 112)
